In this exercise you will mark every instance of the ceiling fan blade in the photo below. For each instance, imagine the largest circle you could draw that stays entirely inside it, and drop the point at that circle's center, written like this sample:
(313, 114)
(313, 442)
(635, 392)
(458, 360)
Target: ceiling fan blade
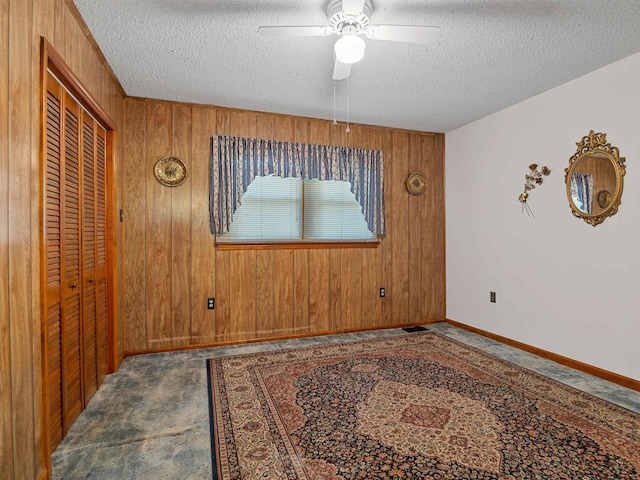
(295, 31)
(352, 7)
(404, 33)
(341, 70)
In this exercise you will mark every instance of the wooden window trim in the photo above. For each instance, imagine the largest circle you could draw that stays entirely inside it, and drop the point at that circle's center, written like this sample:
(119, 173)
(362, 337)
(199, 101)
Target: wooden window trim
(293, 245)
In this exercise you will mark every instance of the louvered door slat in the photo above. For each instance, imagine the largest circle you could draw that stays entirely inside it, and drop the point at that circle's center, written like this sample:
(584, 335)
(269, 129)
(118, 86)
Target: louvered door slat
(90, 368)
(101, 328)
(71, 319)
(72, 365)
(54, 376)
(52, 274)
(101, 253)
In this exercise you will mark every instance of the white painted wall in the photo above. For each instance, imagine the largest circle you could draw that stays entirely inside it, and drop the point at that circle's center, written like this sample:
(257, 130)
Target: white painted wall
(562, 285)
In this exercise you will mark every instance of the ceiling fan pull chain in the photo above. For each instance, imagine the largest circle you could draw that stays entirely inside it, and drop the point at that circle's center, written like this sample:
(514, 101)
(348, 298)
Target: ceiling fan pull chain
(348, 128)
(334, 103)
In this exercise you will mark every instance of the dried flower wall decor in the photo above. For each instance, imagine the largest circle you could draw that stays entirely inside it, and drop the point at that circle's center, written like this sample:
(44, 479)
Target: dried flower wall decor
(532, 178)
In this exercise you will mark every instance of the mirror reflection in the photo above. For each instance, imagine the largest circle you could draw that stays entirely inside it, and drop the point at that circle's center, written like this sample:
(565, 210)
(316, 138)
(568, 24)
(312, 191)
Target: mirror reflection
(592, 182)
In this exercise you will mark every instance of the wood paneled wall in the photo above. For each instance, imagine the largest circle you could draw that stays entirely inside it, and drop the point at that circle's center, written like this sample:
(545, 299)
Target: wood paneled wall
(171, 264)
(167, 261)
(22, 23)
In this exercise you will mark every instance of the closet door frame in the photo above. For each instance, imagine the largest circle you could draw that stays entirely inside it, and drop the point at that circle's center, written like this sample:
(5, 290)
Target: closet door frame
(52, 61)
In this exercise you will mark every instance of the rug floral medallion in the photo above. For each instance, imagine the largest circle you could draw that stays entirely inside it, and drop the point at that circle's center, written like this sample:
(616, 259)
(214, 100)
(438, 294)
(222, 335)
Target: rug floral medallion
(417, 406)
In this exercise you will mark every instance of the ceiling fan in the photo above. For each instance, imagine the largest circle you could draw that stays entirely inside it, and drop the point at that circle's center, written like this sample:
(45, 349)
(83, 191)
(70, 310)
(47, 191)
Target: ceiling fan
(349, 19)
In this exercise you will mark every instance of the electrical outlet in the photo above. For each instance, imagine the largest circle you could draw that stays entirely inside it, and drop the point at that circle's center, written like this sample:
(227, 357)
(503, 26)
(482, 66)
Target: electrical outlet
(492, 297)
(382, 292)
(211, 303)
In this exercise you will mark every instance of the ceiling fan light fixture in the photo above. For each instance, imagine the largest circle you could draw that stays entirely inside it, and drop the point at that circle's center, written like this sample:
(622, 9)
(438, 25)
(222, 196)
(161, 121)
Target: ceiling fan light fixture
(349, 49)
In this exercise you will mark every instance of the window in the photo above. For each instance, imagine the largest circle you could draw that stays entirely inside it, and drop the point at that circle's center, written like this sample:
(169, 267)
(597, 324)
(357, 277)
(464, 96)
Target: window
(237, 161)
(292, 209)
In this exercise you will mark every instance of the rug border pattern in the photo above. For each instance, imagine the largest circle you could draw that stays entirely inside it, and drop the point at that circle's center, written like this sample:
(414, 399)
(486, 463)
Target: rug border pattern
(593, 406)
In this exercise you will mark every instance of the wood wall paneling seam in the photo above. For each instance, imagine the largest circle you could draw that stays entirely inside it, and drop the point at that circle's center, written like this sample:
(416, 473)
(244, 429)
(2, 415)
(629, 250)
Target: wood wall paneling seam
(6, 405)
(20, 78)
(133, 294)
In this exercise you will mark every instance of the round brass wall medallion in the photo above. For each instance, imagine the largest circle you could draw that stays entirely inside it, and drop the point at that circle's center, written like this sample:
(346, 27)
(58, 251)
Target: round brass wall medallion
(604, 198)
(416, 183)
(170, 171)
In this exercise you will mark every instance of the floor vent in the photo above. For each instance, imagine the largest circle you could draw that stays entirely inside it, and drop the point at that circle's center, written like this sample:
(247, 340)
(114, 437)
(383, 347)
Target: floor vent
(415, 329)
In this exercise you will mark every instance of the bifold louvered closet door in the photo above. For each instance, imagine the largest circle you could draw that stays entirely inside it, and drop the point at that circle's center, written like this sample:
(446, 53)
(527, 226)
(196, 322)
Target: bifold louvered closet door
(76, 261)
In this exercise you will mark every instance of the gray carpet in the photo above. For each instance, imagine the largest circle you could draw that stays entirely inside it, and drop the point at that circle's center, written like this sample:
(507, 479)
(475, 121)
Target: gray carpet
(149, 420)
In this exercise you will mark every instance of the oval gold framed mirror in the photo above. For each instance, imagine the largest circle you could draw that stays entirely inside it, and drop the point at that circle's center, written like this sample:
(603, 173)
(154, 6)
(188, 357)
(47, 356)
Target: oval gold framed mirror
(594, 179)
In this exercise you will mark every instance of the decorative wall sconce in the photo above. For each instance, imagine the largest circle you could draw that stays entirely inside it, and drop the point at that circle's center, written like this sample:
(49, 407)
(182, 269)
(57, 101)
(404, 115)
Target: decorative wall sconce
(532, 178)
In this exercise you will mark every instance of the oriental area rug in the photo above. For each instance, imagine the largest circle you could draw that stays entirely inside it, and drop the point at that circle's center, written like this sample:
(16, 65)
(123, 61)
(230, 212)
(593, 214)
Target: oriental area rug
(416, 406)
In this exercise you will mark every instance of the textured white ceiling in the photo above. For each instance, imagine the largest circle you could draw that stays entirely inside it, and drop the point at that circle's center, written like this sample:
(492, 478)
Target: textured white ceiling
(492, 54)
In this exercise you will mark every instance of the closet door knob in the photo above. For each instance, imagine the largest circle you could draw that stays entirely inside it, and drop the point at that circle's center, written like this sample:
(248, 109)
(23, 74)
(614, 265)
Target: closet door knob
(74, 285)
(91, 280)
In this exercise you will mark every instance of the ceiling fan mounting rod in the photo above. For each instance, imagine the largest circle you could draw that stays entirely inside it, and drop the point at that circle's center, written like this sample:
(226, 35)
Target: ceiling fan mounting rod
(339, 20)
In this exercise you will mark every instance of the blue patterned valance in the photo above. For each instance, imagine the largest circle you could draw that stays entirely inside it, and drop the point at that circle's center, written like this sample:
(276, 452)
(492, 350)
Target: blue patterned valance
(236, 161)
